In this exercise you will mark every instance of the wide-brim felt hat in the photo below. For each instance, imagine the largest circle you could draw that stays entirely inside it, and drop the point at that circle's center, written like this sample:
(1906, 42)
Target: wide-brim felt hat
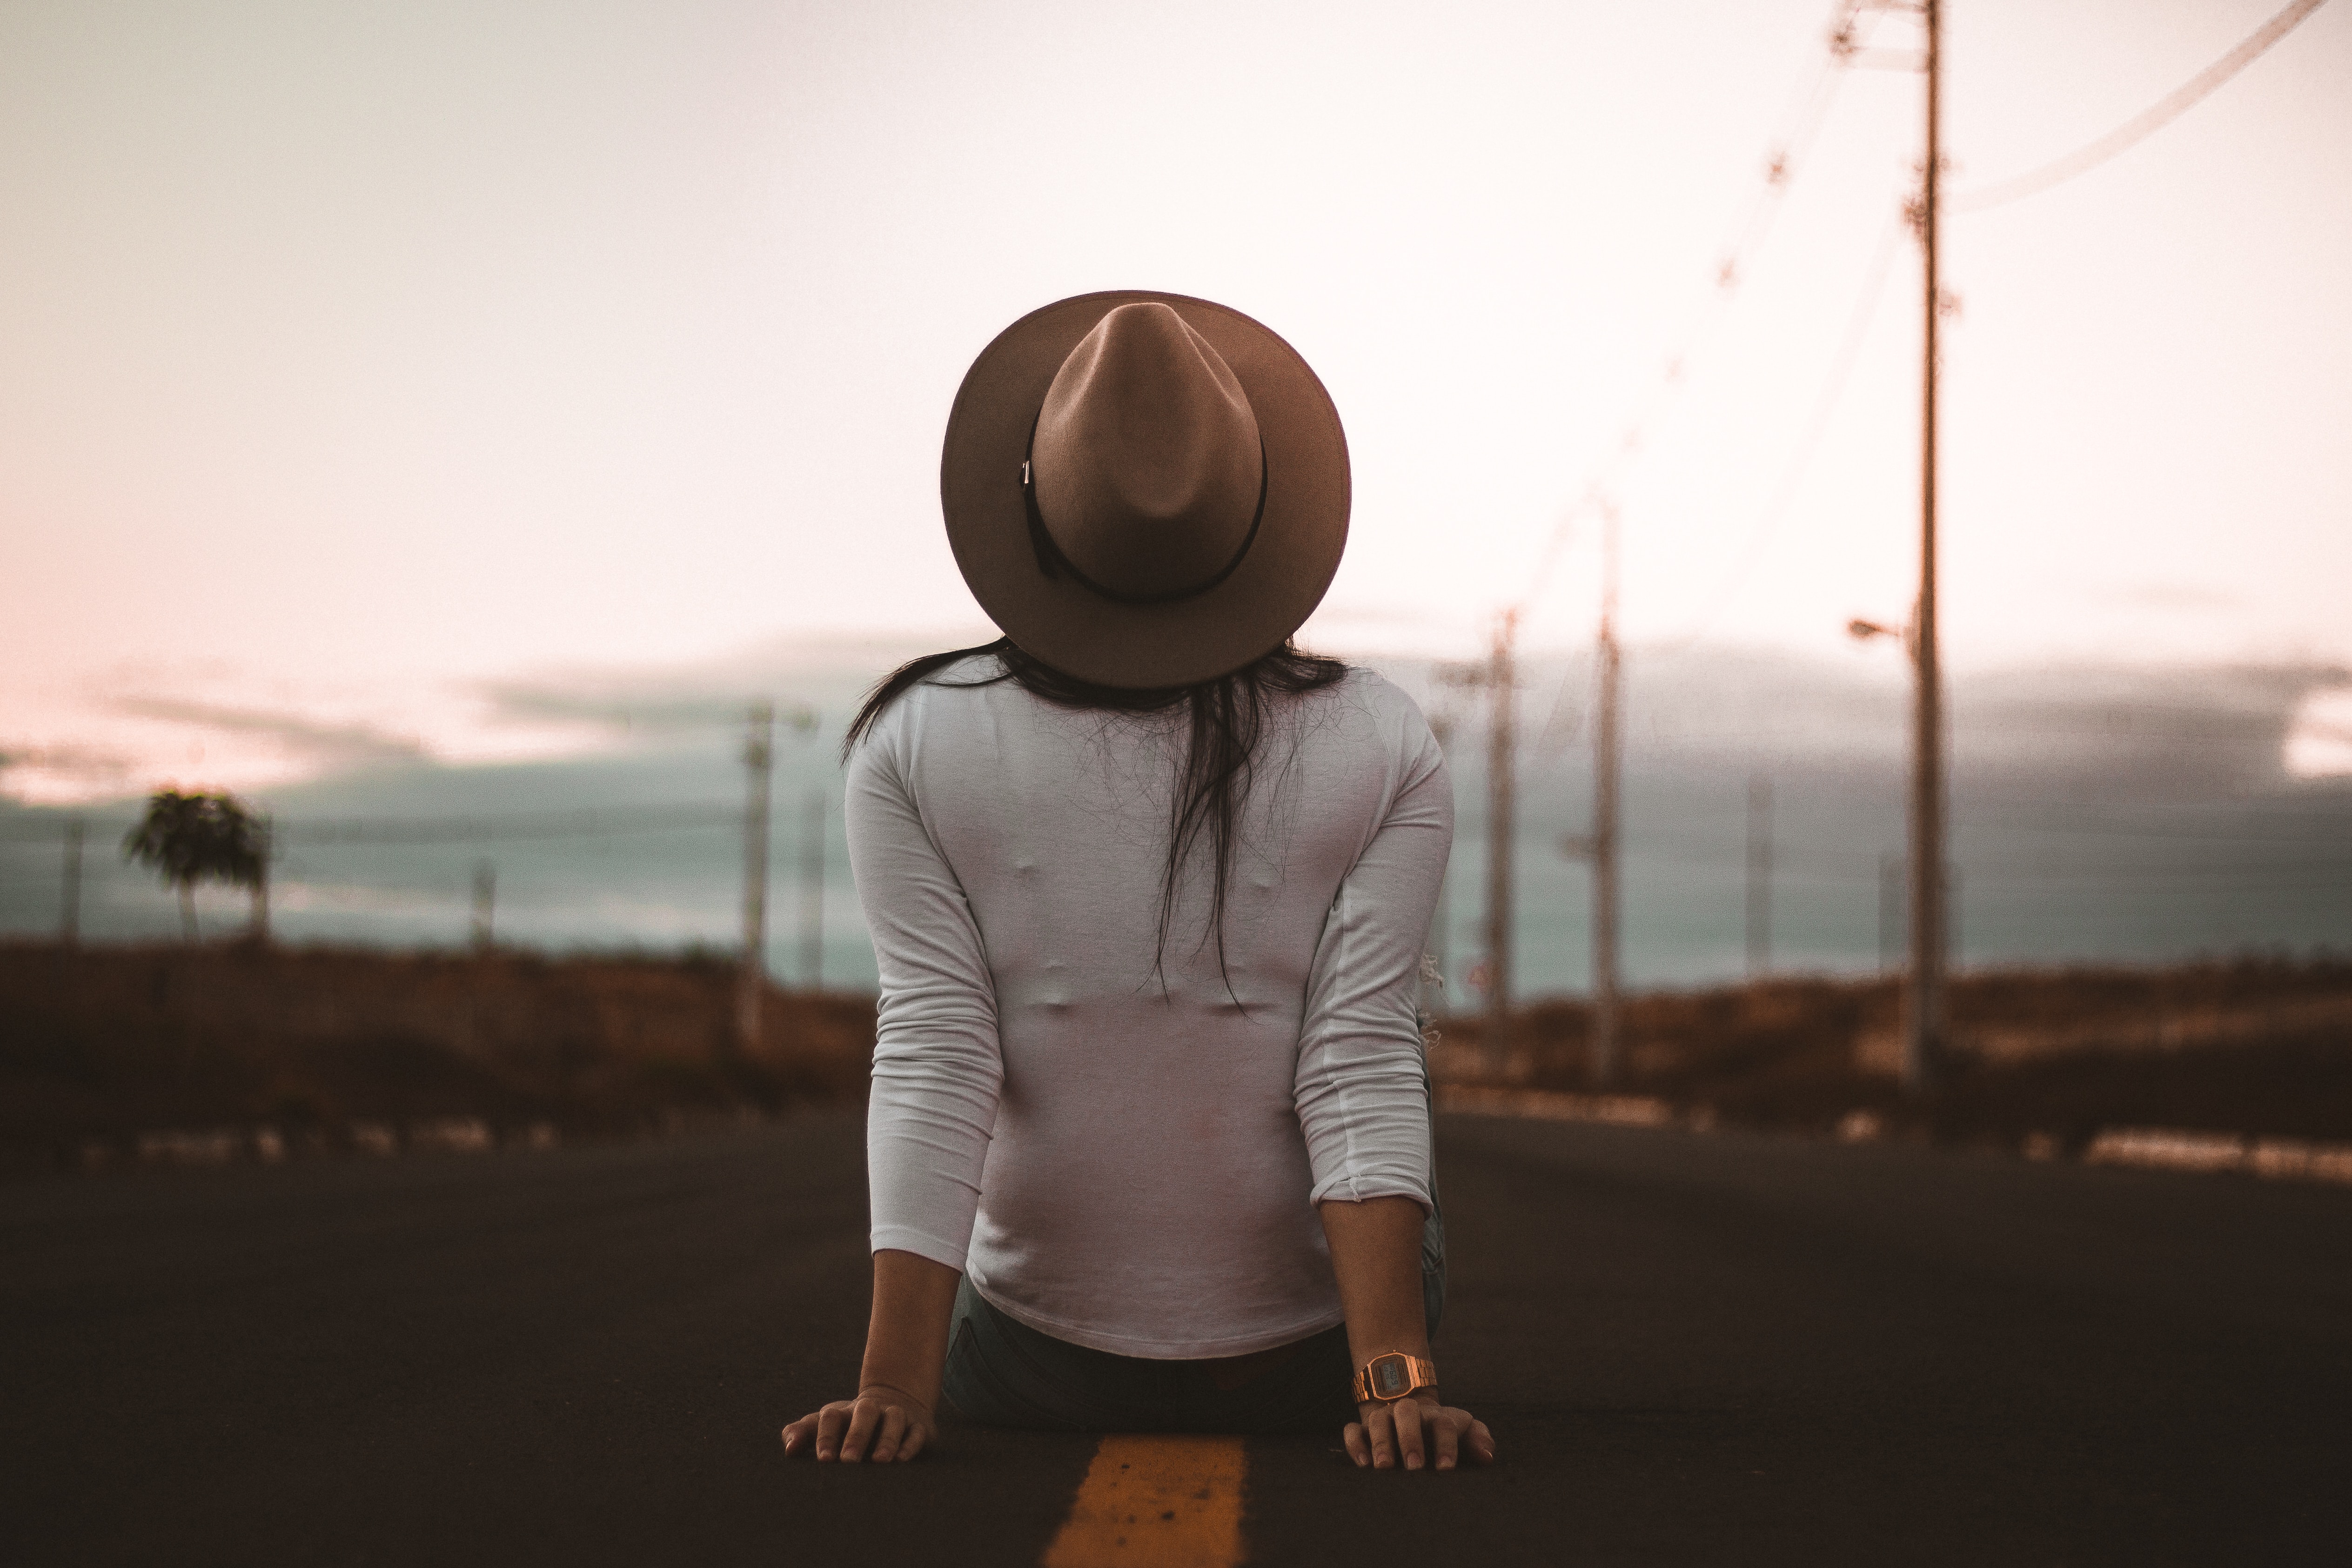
(1068, 389)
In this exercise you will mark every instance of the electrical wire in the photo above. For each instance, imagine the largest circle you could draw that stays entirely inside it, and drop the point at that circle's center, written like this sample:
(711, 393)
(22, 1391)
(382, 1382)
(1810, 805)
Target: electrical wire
(1786, 153)
(1825, 404)
(1840, 865)
(2139, 128)
(1561, 727)
(588, 822)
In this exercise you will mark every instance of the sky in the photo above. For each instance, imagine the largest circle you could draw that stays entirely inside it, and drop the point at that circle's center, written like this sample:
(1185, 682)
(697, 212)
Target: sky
(361, 358)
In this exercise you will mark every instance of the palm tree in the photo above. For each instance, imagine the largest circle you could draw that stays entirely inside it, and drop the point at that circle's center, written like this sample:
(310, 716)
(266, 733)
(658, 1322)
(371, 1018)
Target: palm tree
(192, 838)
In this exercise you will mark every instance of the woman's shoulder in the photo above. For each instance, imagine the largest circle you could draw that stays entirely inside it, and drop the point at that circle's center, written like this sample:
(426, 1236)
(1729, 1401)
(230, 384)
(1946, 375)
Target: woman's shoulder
(1373, 709)
(1377, 691)
(975, 671)
(930, 703)
(1369, 690)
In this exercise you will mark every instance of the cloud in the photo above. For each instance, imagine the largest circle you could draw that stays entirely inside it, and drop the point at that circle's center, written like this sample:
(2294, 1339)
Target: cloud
(826, 676)
(327, 745)
(206, 726)
(2319, 740)
(92, 762)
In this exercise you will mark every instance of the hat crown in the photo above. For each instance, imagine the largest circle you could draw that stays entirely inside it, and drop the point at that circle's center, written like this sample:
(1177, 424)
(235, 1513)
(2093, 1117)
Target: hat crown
(1146, 460)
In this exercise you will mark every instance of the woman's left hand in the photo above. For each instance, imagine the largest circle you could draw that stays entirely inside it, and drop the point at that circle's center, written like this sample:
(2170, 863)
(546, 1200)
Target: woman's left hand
(1417, 1433)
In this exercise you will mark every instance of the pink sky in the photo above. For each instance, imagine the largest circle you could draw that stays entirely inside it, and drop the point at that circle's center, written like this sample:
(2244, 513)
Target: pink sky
(352, 351)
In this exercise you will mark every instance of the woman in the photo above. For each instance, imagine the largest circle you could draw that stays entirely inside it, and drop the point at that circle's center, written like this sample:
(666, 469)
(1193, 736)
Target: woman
(1148, 1135)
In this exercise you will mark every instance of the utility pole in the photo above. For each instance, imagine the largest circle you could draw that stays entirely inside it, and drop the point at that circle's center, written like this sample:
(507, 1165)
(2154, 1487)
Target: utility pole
(1760, 875)
(1604, 817)
(1922, 1010)
(812, 892)
(486, 891)
(1502, 766)
(758, 761)
(69, 911)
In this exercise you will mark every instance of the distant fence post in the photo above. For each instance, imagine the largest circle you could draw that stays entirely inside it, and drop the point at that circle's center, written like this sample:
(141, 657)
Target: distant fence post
(1952, 950)
(1890, 911)
(268, 848)
(69, 908)
(752, 980)
(812, 891)
(1760, 875)
(486, 892)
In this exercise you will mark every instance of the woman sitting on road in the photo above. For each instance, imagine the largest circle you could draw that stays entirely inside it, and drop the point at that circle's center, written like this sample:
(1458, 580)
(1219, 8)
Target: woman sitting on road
(1148, 888)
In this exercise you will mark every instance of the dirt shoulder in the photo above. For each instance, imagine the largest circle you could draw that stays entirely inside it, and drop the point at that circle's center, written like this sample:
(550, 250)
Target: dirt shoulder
(2253, 1047)
(327, 1048)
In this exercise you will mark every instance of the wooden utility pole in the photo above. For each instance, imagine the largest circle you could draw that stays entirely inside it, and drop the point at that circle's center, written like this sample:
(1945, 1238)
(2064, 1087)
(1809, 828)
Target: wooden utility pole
(751, 981)
(69, 910)
(1760, 875)
(812, 891)
(1604, 817)
(1502, 768)
(1922, 1010)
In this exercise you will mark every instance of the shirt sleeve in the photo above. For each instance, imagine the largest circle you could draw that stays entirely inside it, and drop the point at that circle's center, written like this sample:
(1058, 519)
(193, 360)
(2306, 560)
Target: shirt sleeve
(1362, 1086)
(937, 1066)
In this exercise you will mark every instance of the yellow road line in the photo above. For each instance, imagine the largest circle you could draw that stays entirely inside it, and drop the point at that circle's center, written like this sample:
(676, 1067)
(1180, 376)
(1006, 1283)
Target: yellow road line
(1156, 1502)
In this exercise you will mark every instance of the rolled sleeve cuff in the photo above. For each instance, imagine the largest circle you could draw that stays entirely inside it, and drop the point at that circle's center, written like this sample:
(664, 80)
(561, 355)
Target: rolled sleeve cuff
(1362, 1187)
(921, 1243)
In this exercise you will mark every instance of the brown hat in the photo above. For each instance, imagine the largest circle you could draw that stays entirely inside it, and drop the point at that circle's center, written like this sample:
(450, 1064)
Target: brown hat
(1144, 490)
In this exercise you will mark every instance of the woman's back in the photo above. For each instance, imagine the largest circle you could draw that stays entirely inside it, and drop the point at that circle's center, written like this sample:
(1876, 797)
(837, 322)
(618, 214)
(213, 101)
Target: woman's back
(1165, 1108)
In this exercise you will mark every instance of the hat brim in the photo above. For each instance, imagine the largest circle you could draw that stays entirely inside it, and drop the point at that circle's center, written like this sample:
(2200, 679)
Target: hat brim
(1055, 619)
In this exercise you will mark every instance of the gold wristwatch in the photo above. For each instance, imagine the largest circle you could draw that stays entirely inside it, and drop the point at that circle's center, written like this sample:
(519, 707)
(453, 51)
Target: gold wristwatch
(1393, 1376)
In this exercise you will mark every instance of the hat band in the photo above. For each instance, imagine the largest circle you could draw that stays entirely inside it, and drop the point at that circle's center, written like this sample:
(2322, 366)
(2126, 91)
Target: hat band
(1055, 564)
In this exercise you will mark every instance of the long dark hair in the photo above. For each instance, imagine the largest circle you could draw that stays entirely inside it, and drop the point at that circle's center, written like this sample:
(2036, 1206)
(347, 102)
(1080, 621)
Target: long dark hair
(1227, 716)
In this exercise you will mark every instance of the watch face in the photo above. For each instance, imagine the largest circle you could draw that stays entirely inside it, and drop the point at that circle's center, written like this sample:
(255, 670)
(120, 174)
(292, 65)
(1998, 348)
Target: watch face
(1391, 1377)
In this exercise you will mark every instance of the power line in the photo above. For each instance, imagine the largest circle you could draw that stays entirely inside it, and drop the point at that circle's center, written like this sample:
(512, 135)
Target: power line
(1825, 404)
(1785, 153)
(588, 822)
(564, 823)
(2139, 128)
(1562, 725)
(2175, 836)
(1853, 865)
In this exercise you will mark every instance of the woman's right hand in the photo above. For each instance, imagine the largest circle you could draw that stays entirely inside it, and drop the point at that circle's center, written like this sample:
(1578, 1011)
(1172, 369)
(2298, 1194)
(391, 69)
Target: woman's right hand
(883, 1423)
(1417, 1432)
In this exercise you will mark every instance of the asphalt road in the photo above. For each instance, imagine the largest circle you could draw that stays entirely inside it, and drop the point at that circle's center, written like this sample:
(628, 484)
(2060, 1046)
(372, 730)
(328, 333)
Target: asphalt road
(1705, 1349)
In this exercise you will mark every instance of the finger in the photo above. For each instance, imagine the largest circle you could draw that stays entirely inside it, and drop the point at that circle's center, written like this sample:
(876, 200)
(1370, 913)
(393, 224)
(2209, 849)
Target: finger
(1360, 1447)
(799, 1433)
(1445, 1436)
(1380, 1427)
(1408, 1431)
(1481, 1442)
(917, 1435)
(864, 1417)
(831, 1423)
(885, 1442)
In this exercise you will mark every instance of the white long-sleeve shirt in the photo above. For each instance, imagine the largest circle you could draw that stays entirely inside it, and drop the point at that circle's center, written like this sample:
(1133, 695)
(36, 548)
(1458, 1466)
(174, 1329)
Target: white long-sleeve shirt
(1121, 1156)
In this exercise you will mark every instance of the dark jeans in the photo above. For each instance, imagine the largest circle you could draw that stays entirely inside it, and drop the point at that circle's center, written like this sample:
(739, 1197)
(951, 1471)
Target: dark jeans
(1002, 1372)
